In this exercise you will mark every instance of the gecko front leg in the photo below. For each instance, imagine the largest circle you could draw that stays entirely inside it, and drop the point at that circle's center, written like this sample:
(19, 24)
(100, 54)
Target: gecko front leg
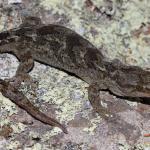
(18, 98)
(96, 101)
(26, 63)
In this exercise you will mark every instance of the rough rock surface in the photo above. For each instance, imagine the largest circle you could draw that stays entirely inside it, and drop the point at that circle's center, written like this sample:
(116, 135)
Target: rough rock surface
(123, 29)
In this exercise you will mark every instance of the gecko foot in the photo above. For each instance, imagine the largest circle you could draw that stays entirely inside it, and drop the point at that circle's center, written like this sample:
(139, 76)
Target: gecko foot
(18, 79)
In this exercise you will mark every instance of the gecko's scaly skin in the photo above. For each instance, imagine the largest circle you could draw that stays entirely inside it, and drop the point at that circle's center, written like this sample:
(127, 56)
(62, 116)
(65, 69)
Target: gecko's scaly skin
(63, 48)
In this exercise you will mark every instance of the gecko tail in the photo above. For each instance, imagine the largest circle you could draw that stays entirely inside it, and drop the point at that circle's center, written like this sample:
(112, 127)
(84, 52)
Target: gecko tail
(21, 100)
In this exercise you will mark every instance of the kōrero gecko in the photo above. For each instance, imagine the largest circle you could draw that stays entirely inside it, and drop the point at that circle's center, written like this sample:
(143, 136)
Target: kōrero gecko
(64, 49)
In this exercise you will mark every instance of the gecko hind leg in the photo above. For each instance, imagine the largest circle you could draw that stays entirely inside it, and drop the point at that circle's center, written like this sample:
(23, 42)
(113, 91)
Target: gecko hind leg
(96, 102)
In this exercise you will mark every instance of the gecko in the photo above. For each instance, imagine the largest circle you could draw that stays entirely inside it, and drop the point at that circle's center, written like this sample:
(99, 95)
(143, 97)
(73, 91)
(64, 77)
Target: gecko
(63, 48)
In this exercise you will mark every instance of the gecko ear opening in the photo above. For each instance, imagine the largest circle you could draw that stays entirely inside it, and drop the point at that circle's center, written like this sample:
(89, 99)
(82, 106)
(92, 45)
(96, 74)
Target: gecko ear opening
(31, 21)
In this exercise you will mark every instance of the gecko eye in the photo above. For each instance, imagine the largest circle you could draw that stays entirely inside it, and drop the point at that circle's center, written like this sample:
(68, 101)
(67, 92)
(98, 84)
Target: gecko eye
(4, 35)
(3, 42)
(6, 38)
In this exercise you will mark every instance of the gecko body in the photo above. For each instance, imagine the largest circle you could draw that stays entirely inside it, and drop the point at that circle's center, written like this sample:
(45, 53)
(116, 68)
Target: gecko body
(64, 49)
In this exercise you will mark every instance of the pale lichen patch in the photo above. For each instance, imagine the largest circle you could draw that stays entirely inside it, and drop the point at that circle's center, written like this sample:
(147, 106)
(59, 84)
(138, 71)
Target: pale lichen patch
(13, 145)
(7, 105)
(18, 127)
(50, 4)
(51, 133)
(94, 123)
(59, 93)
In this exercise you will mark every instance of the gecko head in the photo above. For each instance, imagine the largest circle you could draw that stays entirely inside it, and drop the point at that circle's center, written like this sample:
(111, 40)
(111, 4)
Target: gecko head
(129, 81)
(5, 39)
(3, 36)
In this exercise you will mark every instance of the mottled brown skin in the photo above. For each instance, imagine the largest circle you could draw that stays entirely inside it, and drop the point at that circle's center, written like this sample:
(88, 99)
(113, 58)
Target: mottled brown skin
(63, 48)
